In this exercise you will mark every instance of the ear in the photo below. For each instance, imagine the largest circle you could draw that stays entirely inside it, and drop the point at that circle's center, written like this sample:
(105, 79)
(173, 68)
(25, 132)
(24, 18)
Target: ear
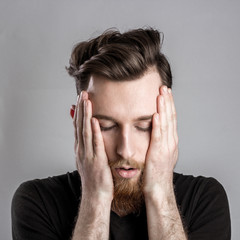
(72, 110)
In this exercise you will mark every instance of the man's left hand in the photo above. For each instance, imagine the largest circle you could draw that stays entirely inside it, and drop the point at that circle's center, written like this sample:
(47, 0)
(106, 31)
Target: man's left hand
(162, 153)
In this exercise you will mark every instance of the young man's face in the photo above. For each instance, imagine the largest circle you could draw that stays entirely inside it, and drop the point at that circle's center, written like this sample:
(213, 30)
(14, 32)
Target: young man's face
(124, 110)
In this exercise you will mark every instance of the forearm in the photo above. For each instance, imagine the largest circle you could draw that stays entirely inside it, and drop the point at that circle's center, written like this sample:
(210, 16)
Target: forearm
(164, 220)
(93, 220)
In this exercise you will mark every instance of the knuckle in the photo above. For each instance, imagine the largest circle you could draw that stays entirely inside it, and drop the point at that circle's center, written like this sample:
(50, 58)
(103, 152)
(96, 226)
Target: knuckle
(164, 128)
(174, 115)
(78, 129)
(95, 158)
(85, 133)
(170, 118)
(87, 158)
(176, 140)
(78, 150)
(97, 144)
(173, 145)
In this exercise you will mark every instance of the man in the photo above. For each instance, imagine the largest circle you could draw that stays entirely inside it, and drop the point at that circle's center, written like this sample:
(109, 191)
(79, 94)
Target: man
(126, 147)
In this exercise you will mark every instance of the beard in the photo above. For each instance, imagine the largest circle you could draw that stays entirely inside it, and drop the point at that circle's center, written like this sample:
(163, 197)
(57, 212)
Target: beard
(128, 193)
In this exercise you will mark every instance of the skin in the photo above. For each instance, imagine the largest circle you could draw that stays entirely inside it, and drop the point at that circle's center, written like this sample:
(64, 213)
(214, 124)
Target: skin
(125, 134)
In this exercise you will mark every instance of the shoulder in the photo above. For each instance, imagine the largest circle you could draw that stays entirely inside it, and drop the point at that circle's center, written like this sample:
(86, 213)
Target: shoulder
(44, 192)
(51, 185)
(204, 205)
(199, 186)
(45, 206)
(44, 189)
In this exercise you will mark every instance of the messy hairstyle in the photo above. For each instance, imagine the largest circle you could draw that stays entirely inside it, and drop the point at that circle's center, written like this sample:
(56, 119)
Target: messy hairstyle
(119, 57)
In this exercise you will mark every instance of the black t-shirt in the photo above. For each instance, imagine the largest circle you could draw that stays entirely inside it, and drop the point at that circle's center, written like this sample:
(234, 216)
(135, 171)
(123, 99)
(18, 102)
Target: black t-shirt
(47, 209)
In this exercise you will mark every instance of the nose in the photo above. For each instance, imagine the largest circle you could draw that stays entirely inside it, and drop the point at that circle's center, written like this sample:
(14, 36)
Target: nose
(125, 145)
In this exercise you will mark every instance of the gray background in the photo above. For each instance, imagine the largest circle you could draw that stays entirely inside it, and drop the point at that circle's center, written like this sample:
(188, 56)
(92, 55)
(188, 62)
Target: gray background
(36, 37)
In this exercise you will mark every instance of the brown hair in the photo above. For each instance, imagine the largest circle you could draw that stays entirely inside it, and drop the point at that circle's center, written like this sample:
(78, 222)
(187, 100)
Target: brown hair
(119, 56)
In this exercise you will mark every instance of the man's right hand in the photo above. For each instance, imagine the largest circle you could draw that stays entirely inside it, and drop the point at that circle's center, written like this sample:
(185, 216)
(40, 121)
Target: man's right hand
(96, 177)
(91, 158)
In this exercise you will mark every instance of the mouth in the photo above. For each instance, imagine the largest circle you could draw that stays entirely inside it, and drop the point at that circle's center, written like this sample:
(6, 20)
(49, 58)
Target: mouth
(127, 172)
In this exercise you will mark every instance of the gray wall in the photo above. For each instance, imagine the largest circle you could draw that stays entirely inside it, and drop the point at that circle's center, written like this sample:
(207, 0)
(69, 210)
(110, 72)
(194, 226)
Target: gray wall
(36, 37)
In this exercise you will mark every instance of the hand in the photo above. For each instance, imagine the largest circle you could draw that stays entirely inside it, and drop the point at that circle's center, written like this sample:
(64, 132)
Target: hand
(91, 158)
(162, 153)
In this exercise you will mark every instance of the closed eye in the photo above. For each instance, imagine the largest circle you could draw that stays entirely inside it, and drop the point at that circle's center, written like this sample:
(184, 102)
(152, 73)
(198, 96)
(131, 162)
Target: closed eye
(145, 129)
(107, 128)
(139, 128)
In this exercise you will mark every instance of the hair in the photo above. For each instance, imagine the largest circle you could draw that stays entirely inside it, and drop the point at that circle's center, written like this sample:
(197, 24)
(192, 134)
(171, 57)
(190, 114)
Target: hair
(119, 57)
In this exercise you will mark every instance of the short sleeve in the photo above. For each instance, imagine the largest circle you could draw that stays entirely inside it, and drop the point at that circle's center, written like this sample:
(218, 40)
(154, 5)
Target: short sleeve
(30, 219)
(211, 218)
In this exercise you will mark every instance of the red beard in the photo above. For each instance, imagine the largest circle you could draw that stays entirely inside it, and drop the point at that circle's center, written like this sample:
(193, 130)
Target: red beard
(128, 195)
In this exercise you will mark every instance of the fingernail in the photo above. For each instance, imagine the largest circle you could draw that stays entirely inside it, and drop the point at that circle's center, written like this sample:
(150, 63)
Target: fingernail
(93, 120)
(165, 89)
(77, 98)
(84, 95)
(169, 90)
(157, 116)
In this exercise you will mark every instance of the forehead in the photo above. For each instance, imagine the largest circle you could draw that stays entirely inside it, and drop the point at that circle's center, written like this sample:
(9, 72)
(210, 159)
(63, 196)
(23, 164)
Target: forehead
(125, 100)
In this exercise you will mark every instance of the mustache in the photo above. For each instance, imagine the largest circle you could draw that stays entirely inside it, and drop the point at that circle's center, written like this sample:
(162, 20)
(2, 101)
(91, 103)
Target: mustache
(126, 162)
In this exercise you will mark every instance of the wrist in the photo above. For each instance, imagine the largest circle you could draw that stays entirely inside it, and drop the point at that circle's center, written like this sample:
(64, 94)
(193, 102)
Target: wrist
(162, 199)
(94, 207)
(97, 198)
(162, 185)
(159, 194)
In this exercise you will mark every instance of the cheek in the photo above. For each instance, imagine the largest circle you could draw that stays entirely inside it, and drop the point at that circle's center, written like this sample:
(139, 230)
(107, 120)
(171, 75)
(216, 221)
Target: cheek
(142, 143)
(109, 144)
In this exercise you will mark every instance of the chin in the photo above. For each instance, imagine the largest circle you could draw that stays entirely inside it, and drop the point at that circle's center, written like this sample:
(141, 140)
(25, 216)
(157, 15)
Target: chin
(128, 195)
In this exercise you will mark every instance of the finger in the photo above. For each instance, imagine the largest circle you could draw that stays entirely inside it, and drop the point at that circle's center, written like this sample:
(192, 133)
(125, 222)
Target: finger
(87, 128)
(75, 123)
(98, 143)
(78, 119)
(169, 113)
(72, 112)
(174, 114)
(156, 134)
(74, 120)
(163, 120)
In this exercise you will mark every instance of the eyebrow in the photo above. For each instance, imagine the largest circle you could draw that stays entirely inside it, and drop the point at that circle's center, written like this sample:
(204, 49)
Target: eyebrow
(104, 117)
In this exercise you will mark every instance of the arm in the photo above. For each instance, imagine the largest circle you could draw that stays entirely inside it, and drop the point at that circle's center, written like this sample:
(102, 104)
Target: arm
(97, 184)
(164, 221)
(93, 219)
